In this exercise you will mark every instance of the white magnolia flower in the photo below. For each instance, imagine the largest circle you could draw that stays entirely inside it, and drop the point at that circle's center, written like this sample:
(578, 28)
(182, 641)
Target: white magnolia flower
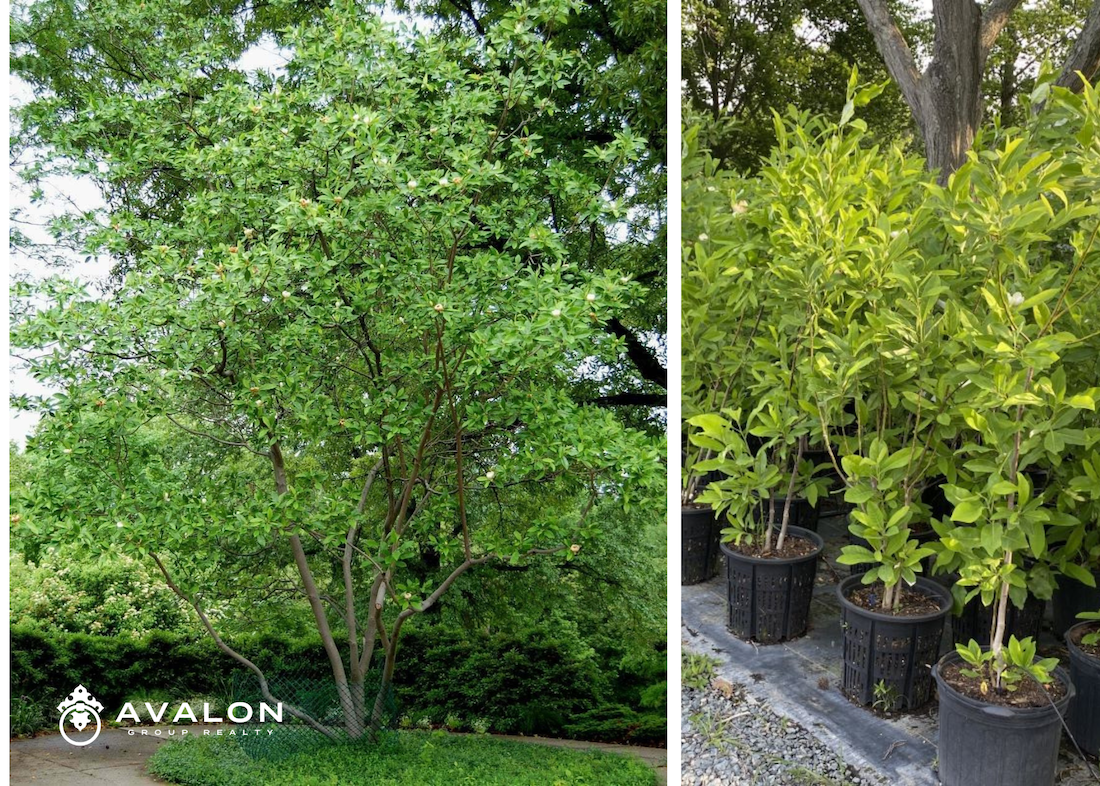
(703, 237)
(556, 312)
(590, 297)
(411, 184)
(490, 475)
(1015, 299)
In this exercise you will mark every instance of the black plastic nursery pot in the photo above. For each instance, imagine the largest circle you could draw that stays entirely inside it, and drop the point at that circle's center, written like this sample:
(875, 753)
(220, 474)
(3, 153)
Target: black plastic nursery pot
(700, 557)
(983, 744)
(803, 514)
(1071, 598)
(976, 620)
(769, 599)
(890, 652)
(1084, 712)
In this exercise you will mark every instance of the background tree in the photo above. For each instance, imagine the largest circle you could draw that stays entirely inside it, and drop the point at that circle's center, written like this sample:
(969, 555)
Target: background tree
(946, 97)
(346, 293)
(743, 59)
(1036, 33)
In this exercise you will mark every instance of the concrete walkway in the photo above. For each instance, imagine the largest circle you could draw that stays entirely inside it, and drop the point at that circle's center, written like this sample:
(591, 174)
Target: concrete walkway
(115, 758)
(118, 758)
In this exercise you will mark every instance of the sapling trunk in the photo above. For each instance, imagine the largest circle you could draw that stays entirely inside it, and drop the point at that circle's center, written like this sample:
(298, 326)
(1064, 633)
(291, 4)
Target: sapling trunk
(769, 532)
(890, 596)
(997, 635)
(790, 496)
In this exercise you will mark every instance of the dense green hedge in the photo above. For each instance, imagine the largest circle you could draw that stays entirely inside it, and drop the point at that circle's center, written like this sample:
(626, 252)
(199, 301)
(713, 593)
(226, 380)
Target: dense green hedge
(534, 682)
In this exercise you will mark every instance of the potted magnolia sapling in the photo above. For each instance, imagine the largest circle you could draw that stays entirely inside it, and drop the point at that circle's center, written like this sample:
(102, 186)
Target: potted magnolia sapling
(1000, 706)
(1019, 297)
(771, 564)
(1083, 641)
(892, 619)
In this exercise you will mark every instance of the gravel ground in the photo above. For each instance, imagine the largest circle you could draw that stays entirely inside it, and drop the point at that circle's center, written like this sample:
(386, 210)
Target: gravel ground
(730, 738)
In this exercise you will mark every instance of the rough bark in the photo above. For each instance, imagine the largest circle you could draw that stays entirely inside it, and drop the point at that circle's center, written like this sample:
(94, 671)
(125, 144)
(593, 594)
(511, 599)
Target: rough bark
(1085, 54)
(946, 100)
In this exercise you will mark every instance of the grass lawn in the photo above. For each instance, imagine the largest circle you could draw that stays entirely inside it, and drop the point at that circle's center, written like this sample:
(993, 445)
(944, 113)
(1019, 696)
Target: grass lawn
(404, 758)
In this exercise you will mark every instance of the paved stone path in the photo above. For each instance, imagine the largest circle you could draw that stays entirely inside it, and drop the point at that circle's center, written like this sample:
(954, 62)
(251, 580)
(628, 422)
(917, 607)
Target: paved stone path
(118, 759)
(115, 758)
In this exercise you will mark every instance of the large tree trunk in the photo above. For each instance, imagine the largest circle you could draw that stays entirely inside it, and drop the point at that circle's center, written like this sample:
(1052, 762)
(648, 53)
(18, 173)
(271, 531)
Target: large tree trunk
(946, 100)
(951, 107)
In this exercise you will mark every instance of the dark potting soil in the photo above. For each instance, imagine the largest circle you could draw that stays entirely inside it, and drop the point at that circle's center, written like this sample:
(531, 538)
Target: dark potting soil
(793, 546)
(1028, 693)
(1092, 650)
(913, 603)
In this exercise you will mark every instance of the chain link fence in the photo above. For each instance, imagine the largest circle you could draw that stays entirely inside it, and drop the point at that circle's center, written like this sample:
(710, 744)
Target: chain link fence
(341, 716)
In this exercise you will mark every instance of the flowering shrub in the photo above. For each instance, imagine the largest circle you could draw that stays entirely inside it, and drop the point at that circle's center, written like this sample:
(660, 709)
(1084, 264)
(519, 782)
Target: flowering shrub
(115, 596)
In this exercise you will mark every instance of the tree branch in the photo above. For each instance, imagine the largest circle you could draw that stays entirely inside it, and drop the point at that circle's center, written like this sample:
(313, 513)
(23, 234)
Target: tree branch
(349, 588)
(265, 691)
(1085, 55)
(639, 354)
(994, 18)
(334, 657)
(633, 399)
(894, 49)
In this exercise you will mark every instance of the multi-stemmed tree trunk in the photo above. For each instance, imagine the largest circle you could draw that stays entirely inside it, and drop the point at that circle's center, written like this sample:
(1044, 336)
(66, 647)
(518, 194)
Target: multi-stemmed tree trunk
(946, 98)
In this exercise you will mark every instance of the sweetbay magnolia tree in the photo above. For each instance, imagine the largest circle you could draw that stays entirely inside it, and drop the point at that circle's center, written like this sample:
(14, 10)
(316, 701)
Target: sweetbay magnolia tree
(347, 353)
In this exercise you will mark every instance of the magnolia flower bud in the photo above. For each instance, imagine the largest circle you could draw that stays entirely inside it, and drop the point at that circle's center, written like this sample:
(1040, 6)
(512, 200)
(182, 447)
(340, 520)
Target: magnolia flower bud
(590, 297)
(286, 294)
(490, 475)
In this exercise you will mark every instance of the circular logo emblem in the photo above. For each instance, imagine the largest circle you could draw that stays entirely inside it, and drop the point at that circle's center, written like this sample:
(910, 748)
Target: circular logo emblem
(79, 710)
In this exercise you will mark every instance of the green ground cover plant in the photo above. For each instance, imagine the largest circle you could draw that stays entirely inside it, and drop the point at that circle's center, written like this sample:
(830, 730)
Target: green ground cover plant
(400, 759)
